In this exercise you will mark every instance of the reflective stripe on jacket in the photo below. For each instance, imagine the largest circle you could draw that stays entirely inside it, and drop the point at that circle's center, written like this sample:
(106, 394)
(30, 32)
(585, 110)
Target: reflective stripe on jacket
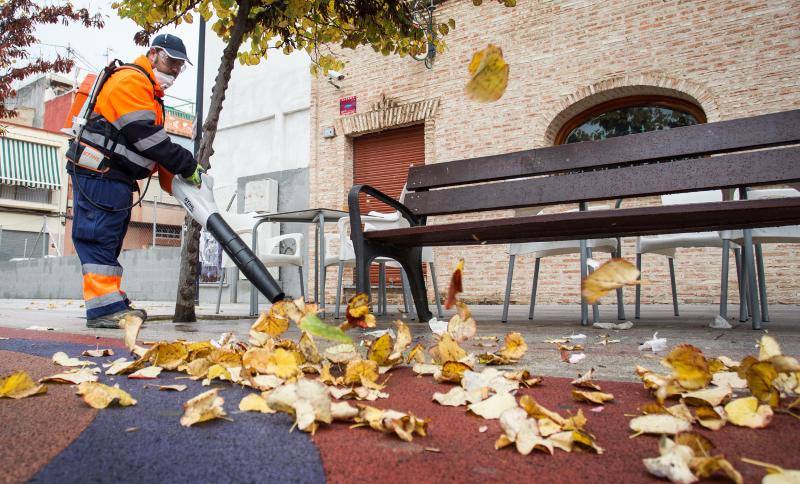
(128, 119)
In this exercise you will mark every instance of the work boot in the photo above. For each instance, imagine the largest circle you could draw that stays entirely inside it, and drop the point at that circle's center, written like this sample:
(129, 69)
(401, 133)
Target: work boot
(111, 321)
(138, 312)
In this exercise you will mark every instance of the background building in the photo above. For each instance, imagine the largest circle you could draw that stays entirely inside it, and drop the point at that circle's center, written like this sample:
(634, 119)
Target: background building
(575, 67)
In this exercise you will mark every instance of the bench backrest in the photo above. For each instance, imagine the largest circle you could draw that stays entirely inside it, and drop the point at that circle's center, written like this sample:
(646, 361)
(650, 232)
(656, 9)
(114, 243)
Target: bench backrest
(654, 163)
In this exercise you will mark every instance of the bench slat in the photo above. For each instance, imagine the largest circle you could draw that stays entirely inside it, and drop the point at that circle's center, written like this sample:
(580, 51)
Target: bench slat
(724, 136)
(778, 165)
(696, 217)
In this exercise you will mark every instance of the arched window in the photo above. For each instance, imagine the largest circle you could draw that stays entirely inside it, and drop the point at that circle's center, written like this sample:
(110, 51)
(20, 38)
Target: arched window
(629, 115)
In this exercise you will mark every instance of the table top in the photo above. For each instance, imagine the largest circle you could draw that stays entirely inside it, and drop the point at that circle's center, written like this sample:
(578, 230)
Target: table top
(308, 215)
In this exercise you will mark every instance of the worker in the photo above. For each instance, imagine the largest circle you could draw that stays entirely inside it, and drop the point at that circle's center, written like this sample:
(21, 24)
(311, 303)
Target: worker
(128, 124)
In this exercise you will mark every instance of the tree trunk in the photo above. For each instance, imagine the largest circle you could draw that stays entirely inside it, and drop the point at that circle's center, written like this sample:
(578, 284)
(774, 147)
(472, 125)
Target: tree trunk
(187, 281)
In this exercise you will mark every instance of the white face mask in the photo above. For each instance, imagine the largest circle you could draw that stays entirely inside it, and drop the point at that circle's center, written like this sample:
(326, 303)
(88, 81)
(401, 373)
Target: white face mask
(165, 80)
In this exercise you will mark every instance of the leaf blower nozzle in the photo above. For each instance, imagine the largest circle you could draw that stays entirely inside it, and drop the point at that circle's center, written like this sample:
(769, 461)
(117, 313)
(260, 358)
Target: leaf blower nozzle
(199, 202)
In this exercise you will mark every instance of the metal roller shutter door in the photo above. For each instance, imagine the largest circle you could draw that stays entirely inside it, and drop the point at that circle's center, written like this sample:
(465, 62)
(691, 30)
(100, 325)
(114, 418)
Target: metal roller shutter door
(382, 160)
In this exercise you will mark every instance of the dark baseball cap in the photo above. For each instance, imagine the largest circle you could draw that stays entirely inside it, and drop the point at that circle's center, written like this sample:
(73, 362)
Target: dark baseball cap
(172, 45)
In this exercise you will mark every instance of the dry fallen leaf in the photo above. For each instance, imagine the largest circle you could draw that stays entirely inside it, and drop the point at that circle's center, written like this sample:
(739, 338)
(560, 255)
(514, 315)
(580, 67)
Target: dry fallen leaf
(391, 421)
(515, 347)
(488, 75)
(712, 418)
(689, 366)
(760, 377)
(709, 396)
(775, 474)
(402, 342)
(585, 381)
(494, 406)
(380, 349)
(592, 397)
(456, 397)
(358, 313)
(700, 444)
(72, 377)
(456, 286)
(168, 356)
(609, 276)
(98, 395)
(254, 403)
(358, 371)
(203, 407)
(149, 373)
(673, 463)
(62, 359)
(447, 349)
(175, 388)
(275, 322)
(19, 385)
(98, 353)
(706, 466)
(307, 400)
(747, 412)
(522, 431)
(462, 326)
(659, 424)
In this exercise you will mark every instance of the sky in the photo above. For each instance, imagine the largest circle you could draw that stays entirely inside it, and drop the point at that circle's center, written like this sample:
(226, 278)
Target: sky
(116, 41)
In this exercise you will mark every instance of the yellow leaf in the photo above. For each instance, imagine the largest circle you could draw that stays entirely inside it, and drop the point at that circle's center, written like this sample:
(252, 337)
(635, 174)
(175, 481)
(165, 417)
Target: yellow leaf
(447, 350)
(391, 421)
(358, 313)
(417, 354)
(62, 359)
(98, 352)
(149, 373)
(489, 75)
(402, 343)
(586, 441)
(585, 381)
(283, 364)
(254, 403)
(256, 359)
(539, 412)
(169, 355)
(706, 466)
(709, 396)
(462, 326)
(592, 397)
(131, 324)
(72, 377)
(515, 347)
(380, 349)
(709, 418)
(20, 385)
(203, 407)
(700, 444)
(225, 358)
(197, 368)
(98, 395)
(453, 371)
(659, 424)
(759, 380)
(689, 367)
(610, 276)
(357, 370)
(309, 349)
(768, 347)
(275, 322)
(746, 412)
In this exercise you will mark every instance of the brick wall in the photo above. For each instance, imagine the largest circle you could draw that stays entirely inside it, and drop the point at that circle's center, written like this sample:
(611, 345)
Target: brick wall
(732, 59)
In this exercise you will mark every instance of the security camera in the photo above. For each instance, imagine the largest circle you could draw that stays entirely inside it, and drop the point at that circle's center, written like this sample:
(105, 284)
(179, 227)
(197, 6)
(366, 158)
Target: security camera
(335, 76)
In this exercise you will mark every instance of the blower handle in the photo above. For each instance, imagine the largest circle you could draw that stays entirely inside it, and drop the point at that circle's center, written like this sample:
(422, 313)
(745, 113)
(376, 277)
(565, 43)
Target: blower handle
(241, 255)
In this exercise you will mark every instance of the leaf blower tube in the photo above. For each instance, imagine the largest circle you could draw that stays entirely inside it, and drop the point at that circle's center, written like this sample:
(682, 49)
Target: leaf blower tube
(199, 202)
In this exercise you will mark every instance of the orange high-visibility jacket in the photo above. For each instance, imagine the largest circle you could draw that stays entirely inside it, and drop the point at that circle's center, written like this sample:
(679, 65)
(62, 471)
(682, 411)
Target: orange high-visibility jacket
(128, 121)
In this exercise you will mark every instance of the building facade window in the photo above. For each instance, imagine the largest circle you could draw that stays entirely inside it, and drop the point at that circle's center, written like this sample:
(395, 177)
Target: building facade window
(25, 194)
(629, 115)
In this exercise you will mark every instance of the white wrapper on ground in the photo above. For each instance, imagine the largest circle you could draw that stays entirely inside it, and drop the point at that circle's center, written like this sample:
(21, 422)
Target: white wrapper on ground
(655, 345)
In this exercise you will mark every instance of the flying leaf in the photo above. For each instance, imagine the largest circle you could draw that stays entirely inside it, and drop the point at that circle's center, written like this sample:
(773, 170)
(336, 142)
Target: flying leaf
(275, 322)
(452, 371)
(689, 366)
(203, 407)
(455, 285)
(768, 347)
(62, 359)
(131, 324)
(71, 377)
(706, 466)
(746, 412)
(402, 342)
(359, 370)
(358, 313)
(315, 326)
(447, 350)
(592, 397)
(728, 379)
(759, 378)
(149, 373)
(489, 75)
(254, 403)
(98, 395)
(20, 385)
(515, 347)
(609, 276)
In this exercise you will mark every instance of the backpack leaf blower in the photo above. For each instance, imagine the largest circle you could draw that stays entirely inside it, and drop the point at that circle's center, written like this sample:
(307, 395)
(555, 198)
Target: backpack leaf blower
(199, 202)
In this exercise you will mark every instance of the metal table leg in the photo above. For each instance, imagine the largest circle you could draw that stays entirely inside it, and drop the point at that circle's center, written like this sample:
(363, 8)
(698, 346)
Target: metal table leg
(321, 228)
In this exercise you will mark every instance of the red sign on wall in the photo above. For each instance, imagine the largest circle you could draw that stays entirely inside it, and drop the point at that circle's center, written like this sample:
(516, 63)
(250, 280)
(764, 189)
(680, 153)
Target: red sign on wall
(347, 105)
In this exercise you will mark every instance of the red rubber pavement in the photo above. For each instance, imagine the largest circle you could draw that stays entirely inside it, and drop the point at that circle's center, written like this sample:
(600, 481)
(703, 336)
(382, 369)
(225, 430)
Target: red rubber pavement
(364, 455)
(36, 429)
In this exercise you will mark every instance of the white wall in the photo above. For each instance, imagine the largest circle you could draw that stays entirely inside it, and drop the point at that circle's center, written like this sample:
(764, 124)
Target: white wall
(264, 124)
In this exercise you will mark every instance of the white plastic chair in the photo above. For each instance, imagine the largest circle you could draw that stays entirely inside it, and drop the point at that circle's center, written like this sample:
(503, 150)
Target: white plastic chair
(342, 254)
(765, 235)
(666, 245)
(268, 249)
(548, 249)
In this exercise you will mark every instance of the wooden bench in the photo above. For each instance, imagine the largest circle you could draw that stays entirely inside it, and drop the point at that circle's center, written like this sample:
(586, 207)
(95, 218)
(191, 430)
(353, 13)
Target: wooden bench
(731, 154)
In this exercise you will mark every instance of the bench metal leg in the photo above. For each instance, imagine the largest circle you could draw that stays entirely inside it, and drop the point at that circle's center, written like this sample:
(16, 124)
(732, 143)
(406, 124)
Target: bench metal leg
(638, 304)
(407, 297)
(509, 278)
(412, 264)
(338, 289)
(671, 262)
(737, 258)
(584, 306)
(723, 290)
(382, 309)
(436, 291)
(595, 306)
(750, 280)
(534, 287)
(762, 284)
(302, 286)
(620, 296)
